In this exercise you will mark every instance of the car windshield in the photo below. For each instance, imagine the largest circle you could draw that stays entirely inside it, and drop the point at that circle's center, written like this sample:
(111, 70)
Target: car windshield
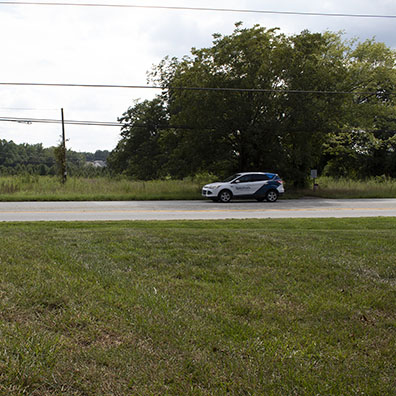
(231, 178)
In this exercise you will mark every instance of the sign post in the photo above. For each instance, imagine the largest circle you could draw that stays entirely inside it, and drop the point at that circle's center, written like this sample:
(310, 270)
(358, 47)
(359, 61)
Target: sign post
(314, 175)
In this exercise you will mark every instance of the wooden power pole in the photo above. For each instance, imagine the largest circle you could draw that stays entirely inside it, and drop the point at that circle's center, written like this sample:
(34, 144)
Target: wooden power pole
(64, 171)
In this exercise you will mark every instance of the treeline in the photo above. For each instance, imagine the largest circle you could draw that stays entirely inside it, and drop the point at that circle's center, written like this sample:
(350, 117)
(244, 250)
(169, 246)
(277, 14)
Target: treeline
(36, 160)
(319, 101)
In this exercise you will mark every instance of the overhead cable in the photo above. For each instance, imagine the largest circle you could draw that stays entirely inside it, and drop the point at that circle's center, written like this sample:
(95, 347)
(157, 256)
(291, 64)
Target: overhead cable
(234, 10)
(28, 120)
(54, 121)
(213, 89)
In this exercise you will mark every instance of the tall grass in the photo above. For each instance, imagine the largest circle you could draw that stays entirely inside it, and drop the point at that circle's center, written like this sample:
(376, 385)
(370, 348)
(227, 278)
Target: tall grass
(46, 188)
(49, 188)
(375, 187)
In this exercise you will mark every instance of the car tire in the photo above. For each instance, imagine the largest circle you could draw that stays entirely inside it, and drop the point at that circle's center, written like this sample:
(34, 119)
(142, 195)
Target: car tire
(225, 196)
(271, 196)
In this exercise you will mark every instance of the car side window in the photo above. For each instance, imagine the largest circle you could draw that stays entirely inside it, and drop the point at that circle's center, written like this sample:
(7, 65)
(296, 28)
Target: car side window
(245, 179)
(259, 177)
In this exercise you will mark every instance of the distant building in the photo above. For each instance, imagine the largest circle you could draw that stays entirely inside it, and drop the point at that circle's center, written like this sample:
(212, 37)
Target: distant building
(96, 164)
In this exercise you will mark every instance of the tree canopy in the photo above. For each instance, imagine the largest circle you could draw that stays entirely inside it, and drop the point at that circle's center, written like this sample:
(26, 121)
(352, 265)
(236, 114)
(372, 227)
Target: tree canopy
(287, 104)
(35, 159)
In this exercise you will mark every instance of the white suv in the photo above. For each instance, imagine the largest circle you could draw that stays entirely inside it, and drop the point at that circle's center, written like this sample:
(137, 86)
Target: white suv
(256, 185)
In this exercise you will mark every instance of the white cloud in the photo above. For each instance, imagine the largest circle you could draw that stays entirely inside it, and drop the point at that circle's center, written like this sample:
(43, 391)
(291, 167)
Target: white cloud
(118, 46)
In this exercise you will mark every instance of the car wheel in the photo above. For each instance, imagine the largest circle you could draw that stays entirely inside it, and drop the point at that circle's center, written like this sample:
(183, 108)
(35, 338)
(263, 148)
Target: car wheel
(272, 195)
(225, 196)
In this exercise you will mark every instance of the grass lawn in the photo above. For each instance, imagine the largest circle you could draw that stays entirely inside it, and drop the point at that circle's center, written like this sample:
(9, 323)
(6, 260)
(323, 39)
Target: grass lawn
(255, 307)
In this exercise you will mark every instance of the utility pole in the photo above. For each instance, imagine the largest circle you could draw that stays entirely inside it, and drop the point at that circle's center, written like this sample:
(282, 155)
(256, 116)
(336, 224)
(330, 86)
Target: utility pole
(64, 171)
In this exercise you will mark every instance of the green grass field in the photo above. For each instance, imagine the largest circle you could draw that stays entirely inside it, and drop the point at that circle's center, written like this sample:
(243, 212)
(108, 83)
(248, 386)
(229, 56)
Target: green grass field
(271, 307)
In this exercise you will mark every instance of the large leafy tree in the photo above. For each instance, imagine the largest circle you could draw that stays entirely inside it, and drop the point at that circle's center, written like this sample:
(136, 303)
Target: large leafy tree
(285, 126)
(231, 130)
(277, 128)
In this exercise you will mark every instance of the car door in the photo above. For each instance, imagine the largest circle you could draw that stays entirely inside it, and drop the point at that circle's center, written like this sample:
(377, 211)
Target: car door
(243, 186)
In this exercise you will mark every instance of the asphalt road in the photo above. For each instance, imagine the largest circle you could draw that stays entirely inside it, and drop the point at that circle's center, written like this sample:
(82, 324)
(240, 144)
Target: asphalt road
(194, 210)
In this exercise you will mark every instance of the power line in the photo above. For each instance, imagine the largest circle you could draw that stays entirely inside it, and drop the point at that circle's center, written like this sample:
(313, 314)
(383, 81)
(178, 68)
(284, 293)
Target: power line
(234, 10)
(54, 121)
(30, 121)
(180, 88)
(80, 85)
(26, 120)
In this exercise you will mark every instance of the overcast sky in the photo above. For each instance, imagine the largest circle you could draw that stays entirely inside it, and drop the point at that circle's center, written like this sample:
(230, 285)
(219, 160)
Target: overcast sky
(80, 45)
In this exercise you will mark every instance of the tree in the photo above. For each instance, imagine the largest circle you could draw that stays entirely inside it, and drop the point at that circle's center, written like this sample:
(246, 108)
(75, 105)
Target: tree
(60, 158)
(313, 88)
(365, 146)
(273, 130)
(227, 128)
(138, 153)
(35, 159)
